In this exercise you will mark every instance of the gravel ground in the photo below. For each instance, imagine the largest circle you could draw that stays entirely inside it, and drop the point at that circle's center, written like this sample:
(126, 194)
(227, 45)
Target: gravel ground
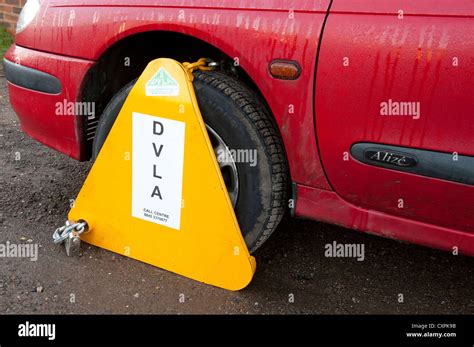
(34, 200)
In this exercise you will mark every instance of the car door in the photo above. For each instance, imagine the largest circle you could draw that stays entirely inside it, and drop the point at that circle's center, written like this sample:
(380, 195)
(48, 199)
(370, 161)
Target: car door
(394, 107)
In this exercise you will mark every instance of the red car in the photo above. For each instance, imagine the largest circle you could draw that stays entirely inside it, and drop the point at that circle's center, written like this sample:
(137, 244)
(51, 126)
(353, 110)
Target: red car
(357, 112)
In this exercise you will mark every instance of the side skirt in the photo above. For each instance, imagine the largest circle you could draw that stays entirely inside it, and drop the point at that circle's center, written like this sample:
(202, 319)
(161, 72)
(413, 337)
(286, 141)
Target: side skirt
(328, 206)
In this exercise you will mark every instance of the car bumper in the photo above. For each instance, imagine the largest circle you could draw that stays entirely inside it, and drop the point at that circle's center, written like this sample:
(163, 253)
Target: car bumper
(37, 83)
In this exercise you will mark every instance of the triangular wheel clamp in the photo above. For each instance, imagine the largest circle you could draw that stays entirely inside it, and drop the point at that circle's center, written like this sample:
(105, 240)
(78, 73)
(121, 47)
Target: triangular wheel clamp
(156, 193)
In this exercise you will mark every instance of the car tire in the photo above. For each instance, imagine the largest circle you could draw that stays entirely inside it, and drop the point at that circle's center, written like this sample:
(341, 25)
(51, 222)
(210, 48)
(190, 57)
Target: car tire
(242, 121)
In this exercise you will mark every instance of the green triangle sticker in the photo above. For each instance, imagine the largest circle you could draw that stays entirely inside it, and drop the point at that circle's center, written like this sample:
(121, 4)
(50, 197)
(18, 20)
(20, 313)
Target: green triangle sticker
(162, 84)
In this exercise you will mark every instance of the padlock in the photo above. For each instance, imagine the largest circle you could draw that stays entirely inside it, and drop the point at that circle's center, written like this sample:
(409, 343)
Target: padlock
(73, 244)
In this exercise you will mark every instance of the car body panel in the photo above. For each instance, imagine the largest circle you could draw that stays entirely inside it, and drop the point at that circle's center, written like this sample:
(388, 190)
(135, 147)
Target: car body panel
(62, 26)
(37, 110)
(417, 58)
(329, 207)
(426, 8)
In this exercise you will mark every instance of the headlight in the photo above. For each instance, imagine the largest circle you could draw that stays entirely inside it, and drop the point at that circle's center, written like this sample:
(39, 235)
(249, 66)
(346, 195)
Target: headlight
(27, 14)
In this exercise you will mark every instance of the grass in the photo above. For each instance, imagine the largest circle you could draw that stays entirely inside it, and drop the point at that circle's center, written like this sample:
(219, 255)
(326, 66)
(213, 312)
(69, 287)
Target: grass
(6, 40)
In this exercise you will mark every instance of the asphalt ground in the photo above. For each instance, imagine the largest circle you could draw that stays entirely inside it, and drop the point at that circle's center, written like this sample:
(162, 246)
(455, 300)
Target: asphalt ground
(293, 274)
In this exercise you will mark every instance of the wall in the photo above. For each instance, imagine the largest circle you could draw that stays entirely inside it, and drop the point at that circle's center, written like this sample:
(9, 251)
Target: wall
(9, 11)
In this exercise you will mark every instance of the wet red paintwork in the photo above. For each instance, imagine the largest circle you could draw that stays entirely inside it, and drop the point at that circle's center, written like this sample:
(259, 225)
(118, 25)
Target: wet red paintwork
(37, 111)
(405, 59)
(330, 207)
(223, 24)
(425, 59)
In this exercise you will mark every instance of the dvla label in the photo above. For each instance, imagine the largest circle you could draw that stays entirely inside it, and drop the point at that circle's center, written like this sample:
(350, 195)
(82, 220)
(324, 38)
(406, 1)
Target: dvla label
(157, 169)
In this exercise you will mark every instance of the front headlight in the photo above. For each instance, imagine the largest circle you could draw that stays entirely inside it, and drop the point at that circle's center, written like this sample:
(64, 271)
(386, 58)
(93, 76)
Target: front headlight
(27, 14)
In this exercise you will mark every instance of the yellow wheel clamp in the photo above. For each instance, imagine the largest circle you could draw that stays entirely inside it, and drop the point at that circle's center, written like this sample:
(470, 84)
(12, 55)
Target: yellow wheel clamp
(156, 193)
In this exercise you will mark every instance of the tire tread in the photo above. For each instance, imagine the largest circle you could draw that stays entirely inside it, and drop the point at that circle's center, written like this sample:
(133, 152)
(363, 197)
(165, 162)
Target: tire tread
(259, 115)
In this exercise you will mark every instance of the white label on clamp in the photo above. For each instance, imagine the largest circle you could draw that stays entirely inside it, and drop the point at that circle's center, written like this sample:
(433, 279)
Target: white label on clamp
(157, 169)
(162, 84)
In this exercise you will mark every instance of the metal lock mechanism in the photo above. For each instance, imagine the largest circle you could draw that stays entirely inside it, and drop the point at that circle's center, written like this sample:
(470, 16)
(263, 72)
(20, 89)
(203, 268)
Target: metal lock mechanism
(70, 235)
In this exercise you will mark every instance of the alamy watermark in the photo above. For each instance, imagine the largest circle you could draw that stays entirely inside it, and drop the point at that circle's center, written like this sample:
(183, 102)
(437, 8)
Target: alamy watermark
(400, 108)
(22, 250)
(70, 108)
(28, 329)
(246, 156)
(345, 250)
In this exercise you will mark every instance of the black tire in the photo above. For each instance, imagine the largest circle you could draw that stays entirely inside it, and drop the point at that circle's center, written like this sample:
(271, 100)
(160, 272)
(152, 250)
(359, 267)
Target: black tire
(243, 122)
